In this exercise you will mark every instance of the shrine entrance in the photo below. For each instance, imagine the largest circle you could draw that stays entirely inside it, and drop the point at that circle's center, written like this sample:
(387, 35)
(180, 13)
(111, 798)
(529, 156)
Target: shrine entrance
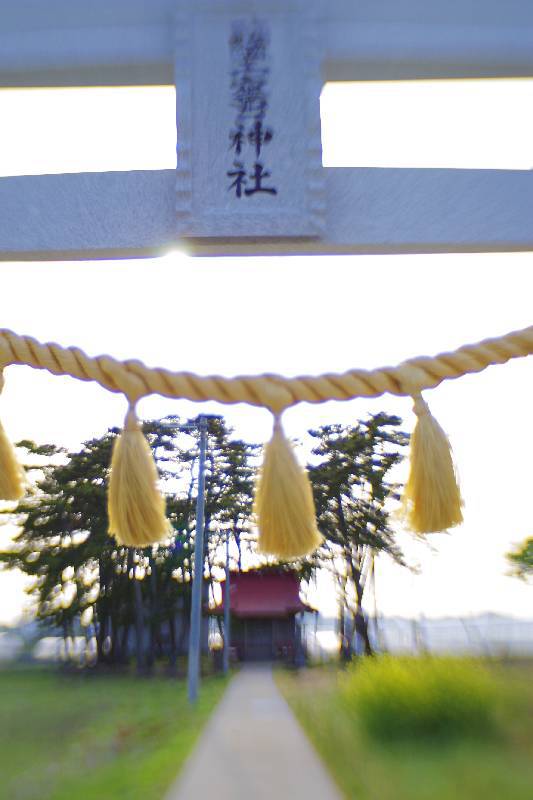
(264, 606)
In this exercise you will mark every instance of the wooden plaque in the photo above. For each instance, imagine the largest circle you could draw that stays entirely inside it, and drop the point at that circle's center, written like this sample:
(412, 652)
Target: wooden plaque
(248, 121)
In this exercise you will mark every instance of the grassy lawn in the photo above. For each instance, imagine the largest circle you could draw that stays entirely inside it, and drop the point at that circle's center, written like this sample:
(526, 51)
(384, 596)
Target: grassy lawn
(498, 768)
(95, 737)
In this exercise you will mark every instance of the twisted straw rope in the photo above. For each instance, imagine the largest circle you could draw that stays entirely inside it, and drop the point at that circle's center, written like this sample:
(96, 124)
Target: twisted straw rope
(275, 392)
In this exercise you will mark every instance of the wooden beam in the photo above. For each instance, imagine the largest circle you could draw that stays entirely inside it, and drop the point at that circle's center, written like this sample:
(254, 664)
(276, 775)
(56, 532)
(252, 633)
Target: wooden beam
(409, 39)
(109, 56)
(87, 215)
(72, 42)
(129, 214)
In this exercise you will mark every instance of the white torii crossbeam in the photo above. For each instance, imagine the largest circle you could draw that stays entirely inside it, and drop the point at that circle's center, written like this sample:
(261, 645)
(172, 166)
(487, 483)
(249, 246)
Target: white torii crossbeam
(249, 177)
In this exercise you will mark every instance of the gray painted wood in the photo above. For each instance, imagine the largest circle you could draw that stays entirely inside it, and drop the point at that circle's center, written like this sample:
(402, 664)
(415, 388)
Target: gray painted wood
(87, 214)
(367, 211)
(72, 42)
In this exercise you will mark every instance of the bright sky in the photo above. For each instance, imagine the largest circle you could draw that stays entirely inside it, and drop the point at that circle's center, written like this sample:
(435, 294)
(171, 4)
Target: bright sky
(293, 315)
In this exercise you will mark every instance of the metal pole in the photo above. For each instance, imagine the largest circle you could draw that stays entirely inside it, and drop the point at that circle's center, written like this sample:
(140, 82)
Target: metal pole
(196, 608)
(227, 622)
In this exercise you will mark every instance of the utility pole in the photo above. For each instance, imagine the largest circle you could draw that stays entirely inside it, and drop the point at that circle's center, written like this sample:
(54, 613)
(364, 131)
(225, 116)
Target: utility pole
(196, 608)
(227, 618)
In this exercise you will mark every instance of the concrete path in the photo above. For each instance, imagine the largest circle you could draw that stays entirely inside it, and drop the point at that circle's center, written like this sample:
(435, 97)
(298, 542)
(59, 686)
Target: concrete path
(253, 749)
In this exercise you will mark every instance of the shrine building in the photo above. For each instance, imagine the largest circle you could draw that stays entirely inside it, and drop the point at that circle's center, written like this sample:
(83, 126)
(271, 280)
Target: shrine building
(263, 606)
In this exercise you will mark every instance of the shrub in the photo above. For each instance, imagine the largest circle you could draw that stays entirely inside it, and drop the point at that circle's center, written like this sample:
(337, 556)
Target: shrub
(409, 697)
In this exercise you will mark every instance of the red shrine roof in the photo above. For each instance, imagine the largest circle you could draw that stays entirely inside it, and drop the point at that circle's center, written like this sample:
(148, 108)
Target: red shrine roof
(263, 593)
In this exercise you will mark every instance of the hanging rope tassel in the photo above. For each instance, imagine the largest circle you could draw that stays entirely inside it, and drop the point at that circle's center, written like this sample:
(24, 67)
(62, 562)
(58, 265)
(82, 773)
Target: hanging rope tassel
(136, 508)
(12, 477)
(284, 505)
(432, 499)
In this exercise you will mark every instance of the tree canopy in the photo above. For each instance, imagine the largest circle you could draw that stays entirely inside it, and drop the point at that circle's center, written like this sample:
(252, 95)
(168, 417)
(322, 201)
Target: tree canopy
(84, 583)
(352, 490)
(522, 559)
(83, 579)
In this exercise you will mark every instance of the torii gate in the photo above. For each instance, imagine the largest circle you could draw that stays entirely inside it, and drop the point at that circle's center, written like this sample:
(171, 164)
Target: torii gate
(249, 178)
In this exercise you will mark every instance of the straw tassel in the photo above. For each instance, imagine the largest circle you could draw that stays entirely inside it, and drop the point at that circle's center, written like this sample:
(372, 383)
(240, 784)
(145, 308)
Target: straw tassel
(432, 499)
(136, 508)
(12, 477)
(284, 505)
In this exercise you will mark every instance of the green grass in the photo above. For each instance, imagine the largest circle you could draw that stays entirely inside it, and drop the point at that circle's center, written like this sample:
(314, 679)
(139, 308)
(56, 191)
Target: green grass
(499, 767)
(397, 698)
(94, 737)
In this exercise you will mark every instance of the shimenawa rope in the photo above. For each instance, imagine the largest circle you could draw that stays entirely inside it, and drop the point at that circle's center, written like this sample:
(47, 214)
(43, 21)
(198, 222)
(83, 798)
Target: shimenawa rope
(284, 504)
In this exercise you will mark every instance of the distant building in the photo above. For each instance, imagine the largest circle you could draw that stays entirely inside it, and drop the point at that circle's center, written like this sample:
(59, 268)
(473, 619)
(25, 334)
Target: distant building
(264, 604)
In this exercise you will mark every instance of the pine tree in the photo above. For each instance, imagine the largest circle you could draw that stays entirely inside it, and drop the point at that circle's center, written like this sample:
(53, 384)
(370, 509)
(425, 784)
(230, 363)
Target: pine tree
(83, 580)
(351, 490)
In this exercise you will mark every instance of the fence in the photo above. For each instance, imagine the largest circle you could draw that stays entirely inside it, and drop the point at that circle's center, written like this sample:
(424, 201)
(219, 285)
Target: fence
(486, 635)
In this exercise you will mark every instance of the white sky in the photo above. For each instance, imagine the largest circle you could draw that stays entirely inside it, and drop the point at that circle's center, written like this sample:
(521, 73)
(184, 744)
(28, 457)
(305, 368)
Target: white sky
(293, 315)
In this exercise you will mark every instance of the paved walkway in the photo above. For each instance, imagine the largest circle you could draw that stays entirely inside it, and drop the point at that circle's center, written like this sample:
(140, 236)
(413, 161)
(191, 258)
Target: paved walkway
(253, 749)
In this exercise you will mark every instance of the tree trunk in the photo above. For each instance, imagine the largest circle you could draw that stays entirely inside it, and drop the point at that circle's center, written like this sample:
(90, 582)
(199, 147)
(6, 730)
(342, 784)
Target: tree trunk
(101, 637)
(124, 649)
(151, 655)
(114, 654)
(65, 641)
(344, 643)
(184, 629)
(139, 628)
(102, 617)
(206, 584)
(361, 623)
(173, 652)
(354, 565)
(237, 538)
